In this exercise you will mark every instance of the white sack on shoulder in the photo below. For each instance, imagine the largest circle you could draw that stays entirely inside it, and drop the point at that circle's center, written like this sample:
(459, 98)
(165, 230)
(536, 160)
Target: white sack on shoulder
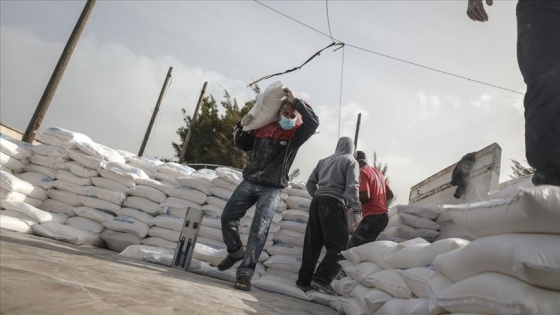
(267, 107)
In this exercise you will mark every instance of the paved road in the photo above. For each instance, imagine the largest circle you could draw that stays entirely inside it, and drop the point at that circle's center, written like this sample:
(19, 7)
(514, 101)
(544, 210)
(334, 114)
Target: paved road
(44, 276)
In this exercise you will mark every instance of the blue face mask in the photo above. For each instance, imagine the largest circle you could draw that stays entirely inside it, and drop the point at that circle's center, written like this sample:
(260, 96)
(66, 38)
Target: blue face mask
(286, 123)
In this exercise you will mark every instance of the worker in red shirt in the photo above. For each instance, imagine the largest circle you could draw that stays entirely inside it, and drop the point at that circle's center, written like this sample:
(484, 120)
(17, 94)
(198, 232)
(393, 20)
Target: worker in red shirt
(374, 194)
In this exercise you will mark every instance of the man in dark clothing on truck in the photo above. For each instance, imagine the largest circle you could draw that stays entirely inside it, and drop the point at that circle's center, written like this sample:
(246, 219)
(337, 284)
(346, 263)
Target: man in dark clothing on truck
(273, 149)
(538, 56)
(333, 184)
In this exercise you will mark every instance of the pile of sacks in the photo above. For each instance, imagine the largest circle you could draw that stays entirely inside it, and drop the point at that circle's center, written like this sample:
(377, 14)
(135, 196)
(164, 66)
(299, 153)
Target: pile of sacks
(408, 222)
(512, 266)
(429, 222)
(81, 192)
(84, 193)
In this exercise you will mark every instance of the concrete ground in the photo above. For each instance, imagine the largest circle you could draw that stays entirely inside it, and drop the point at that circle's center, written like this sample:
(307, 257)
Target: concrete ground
(44, 276)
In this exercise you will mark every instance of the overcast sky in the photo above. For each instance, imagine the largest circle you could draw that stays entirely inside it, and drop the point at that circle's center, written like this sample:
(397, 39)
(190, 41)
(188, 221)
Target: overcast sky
(418, 120)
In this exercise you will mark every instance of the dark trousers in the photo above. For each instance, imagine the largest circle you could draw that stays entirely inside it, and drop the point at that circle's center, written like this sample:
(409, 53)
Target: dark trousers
(538, 55)
(369, 229)
(327, 226)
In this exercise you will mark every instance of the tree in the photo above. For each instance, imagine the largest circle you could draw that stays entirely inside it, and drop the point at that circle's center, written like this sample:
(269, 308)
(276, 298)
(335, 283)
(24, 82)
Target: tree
(212, 133)
(520, 170)
(294, 174)
(383, 167)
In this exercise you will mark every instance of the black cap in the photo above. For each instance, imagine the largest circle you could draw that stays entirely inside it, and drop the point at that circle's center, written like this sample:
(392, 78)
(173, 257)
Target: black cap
(361, 156)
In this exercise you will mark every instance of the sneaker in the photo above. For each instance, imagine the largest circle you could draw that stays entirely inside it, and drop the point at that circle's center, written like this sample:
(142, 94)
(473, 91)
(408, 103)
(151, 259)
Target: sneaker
(306, 287)
(540, 178)
(228, 262)
(323, 287)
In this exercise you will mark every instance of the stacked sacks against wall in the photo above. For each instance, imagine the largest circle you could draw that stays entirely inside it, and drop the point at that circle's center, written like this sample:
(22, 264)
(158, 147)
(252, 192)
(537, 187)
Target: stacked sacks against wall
(407, 222)
(374, 282)
(45, 163)
(209, 246)
(156, 198)
(96, 193)
(513, 265)
(20, 200)
(15, 189)
(14, 154)
(285, 254)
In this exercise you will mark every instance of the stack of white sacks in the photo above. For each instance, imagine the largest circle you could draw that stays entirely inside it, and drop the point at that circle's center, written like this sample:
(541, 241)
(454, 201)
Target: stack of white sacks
(84, 193)
(407, 222)
(78, 191)
(512, 265)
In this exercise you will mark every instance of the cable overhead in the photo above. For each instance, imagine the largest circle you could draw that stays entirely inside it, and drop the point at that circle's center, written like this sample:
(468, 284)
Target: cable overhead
(340, 93)
(388, 56)
(296, 68)
(328, 20)
(433, 69)
(291, 18)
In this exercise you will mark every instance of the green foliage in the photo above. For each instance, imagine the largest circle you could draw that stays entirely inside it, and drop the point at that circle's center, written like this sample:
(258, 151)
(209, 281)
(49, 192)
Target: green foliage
(294, 174)
(383, 167)
(520, 170)
(211, 139)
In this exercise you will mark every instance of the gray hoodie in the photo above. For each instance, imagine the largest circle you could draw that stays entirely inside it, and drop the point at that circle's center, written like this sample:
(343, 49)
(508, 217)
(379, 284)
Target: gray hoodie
(338, 176)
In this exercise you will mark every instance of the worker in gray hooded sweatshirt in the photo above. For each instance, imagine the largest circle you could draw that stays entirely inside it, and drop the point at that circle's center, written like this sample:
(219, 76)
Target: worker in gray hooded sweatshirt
(333, 184)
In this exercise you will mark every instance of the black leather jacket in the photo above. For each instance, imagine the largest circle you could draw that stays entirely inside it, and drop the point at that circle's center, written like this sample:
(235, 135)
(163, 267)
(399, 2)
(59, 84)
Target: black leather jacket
(273, 149)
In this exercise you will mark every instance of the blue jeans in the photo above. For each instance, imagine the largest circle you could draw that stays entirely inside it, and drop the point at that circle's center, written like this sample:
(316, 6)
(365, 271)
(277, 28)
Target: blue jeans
(538, 55)
(245, 196)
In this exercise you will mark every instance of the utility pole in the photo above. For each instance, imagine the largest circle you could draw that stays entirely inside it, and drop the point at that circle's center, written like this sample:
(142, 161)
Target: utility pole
(193, 121)
(149, 130)
(357, 131)
(48, 94)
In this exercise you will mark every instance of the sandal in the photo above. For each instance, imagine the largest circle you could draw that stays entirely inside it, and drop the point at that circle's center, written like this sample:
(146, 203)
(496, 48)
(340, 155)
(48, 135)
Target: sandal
(242, 284)
(228, 262)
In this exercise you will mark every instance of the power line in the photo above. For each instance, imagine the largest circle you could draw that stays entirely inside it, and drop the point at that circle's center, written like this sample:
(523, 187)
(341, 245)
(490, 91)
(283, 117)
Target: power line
(433, 69)
(340, 93)
(328, 20)
(388, 56)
